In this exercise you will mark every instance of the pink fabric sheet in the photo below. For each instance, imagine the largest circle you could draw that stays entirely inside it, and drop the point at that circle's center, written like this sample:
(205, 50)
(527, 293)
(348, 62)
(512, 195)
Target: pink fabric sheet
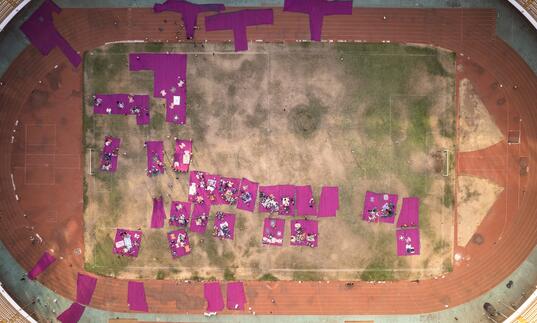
(169, 80)
(272, 191)
(238, 21)
(137, 105)
(288, 193)
(200, 218)
(317, 9)
(189, 12)
(72, 314)
(236, 298)
(375, 203)
(408, 242)
(309, 229)
(213, 295)
(158, 215)
(409, 214)
(182, 155)
(224, 226)
(247, 195)
(42, 33)
(155, 157)
(273, 231)
(178, 243)
(85, 286)
(121, 242)
(329, 201)
(112, 149)
(305, 204)
(180, 214)
(136, 297)
(42, 264)
(228, 191)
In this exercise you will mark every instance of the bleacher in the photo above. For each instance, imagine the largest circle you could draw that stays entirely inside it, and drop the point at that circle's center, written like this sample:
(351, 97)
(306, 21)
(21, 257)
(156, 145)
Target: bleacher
(8, 9)
(10, 311)
(528, 8)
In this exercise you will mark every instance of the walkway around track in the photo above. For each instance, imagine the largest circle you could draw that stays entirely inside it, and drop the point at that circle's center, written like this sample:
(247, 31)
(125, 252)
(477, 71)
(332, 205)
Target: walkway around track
(466, 31)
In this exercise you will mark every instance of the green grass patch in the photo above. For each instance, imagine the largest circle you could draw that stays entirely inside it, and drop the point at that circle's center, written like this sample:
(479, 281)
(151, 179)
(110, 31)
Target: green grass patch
(447, 266)
(449, 197)
(104, 262)
(157, 120)
(307, 276)
(153, 47)
(229, 274)
(378, 270)
(160, 275)
(268, 277)
(440, 246)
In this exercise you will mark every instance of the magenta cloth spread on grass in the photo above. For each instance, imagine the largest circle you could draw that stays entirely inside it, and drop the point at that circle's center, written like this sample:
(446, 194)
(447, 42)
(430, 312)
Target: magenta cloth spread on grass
(273, 231)
(136, 297)
(329, 201)
(182, 155)
(200, 217)
(197, 185)
(42, 33)
(155, 157)
(286, 199)
(379, 207)
(408, 242)
(247, 195)
(41, 265)
(179, 243)
(123, 104)
(158, 215)
(180, 214)
(304, 233)
(305, 204)
(409, 214)
(228, 191)
(127, 242)
(224, 226)
(213, 296)
(211, 188)
(238, 21)
(317, 9)
(272, 198)
(85, 286)
(189, 12)
(72, 314)
(236, 297)
(169, 80)
(109, 155)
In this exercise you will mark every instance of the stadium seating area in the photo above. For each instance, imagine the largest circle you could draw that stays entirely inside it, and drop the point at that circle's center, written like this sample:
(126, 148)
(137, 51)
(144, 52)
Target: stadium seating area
(10, 311)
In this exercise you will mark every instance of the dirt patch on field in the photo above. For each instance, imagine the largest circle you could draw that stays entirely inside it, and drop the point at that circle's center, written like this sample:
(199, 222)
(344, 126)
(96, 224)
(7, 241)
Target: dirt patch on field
(345, 115)
(475, 197)
(477, 130)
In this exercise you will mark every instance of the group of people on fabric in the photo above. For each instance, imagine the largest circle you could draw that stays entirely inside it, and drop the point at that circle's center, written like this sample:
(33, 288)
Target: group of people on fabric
(108, 156)
(185, 158)
(245, 195)
(221, 227)
(156, 165)
(181, 219)
(179, 241)
(269, 202)
(301, 236)
(128, 245)
(227, 191)
(201, 220)
(408, 244)
(121, 106)
(269, 238)
(386, 211)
